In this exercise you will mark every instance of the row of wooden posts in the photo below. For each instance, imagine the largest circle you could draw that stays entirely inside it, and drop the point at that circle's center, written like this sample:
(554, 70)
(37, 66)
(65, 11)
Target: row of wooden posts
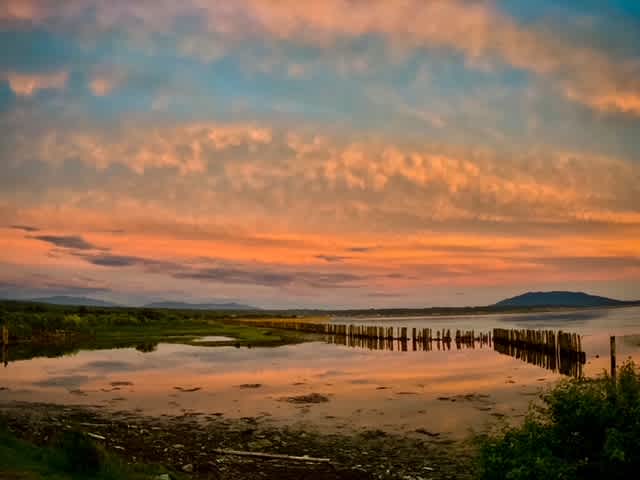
(543, 340)
(403, 334)
(555, 350)
(419, 342)
(539, 339)
(557, 360)
(419, 335)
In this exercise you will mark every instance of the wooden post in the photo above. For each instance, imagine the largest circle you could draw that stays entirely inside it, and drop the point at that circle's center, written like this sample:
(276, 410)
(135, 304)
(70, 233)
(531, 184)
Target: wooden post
(613, 357)
(5, 345)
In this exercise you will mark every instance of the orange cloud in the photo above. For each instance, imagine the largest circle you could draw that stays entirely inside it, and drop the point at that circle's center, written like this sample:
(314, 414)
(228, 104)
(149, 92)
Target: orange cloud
(251, 171)
(187, 148)
(26, 85)
(106, 79)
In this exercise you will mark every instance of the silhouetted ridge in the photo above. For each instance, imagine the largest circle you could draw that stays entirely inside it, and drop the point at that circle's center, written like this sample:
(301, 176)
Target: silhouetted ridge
(558, 299)
(200, 306)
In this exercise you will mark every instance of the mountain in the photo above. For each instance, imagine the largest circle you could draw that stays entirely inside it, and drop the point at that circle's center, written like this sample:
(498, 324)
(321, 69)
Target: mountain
(200, 306)
(559, 299)
(78, 301)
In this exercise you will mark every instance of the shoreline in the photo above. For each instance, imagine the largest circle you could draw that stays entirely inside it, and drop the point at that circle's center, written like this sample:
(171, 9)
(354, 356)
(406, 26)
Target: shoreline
(177, 441)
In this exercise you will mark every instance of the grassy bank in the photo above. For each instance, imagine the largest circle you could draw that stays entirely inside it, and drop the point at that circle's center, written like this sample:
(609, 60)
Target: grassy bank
(52, 330)
(586, 429)
(68, 456)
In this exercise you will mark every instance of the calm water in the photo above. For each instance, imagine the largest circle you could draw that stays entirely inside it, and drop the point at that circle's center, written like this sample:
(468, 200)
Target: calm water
(449, 392)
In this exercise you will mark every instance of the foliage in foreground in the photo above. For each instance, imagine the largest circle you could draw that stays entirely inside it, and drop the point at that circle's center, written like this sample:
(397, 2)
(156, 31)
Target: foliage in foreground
(70, 456)
(586, 429)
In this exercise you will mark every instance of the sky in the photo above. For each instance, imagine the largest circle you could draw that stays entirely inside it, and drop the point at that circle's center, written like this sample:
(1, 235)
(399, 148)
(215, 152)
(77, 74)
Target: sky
(329, 153)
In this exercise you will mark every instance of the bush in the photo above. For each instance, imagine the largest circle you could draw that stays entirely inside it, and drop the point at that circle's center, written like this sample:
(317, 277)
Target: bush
(586, 429)
(81, 455)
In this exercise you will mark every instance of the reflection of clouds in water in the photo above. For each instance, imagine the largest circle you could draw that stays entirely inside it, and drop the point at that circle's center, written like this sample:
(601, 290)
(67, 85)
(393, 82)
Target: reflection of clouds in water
(302, 352)
(214, 354)
(331, 373)
(67, 381)
(110, 366)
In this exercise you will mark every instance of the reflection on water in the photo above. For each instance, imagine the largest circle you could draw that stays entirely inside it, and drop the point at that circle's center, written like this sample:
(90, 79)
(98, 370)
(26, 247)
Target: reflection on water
(435, 388)
(147, 347)
(556, 361)
(551, 357)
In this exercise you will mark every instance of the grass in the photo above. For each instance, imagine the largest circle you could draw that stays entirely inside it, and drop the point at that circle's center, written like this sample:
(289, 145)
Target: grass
(53, 330)
(188, 332)
(586, 429)
(70, 456)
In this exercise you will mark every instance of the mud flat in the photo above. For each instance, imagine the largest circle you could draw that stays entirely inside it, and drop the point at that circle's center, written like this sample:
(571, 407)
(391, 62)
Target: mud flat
(191, 445)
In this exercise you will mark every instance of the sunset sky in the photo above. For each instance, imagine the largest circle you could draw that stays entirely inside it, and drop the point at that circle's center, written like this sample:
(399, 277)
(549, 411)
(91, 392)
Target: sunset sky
(326, 153)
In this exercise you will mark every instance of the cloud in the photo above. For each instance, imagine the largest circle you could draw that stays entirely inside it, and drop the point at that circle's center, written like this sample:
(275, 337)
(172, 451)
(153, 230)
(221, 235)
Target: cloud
(476, 29)
(38, 284)
(114, 260)
(187, 148)
(106, 79)
(254, 172)
(26, 85)
(25, 228)
(234, 275)
(361, 249)
(110, 260)
(271, 278)
(66, 241)
(481, 32)
(332, 258)
(225, 272)
(384, 295)
(605, 263)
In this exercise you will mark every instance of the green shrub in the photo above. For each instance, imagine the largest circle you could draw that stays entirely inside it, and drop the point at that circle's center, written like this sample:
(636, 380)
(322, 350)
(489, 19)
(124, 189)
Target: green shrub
(586, 429)
(81, 455)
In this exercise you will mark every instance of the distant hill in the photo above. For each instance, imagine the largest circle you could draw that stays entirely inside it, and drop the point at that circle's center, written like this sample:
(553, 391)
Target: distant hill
(559, 299)
(77, 301)
(200, 306)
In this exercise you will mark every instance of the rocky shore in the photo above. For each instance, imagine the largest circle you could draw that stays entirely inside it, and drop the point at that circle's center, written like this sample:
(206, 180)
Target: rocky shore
(202, 446)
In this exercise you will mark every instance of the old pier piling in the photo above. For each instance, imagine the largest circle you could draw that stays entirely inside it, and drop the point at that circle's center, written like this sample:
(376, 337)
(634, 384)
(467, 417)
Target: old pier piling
(554, 350)
(557, 351)
(612, 343)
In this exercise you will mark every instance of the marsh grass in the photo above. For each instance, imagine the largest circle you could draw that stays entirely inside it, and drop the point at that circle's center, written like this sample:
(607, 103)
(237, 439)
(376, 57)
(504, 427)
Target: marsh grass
(585, 429)
(53, 330)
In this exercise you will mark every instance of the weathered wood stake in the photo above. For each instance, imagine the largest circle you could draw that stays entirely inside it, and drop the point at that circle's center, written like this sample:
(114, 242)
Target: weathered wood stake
(613, 357)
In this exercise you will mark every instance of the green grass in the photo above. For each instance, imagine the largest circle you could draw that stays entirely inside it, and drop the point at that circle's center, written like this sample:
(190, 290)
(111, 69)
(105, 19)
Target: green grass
(70, 456)
(53, 330)
(186, 333)
(586, 429)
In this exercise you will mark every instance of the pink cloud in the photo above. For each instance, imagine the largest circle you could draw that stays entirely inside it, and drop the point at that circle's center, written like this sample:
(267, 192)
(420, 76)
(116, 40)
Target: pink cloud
(106, 79)
(26, 85)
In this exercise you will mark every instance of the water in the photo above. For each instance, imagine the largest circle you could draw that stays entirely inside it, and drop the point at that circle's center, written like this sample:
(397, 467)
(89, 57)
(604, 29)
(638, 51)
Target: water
(450, 392)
